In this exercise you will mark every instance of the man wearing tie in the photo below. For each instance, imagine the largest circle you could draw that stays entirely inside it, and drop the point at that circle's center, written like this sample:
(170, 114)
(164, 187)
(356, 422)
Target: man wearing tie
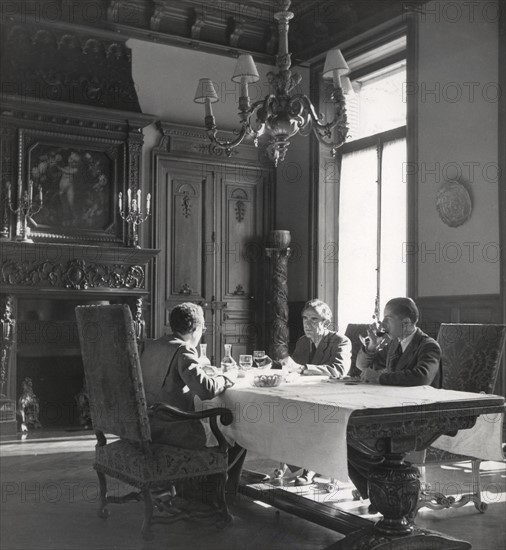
(404, 356)
(320, 351)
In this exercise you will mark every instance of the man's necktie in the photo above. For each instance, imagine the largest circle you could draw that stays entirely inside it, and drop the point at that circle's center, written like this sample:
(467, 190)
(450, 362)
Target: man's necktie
(312, 351)
(396, 355)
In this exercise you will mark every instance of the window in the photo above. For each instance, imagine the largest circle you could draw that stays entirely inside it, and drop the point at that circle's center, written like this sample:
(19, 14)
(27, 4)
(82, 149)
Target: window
(372, 199)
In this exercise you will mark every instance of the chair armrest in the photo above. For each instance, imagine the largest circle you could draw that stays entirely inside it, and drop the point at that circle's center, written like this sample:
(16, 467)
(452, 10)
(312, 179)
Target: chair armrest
(225, 415)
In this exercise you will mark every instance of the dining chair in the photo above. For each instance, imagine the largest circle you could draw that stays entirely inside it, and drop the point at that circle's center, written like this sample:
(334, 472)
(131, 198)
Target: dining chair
(353, 332)
(471, 357)
(118, 407)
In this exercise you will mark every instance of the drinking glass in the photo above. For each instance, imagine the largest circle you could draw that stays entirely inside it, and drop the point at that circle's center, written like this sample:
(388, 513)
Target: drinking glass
(258, 355)
(245, 361)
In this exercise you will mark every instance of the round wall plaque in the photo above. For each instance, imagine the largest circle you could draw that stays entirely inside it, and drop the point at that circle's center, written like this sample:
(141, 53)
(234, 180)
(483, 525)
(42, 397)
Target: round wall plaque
(453, 203)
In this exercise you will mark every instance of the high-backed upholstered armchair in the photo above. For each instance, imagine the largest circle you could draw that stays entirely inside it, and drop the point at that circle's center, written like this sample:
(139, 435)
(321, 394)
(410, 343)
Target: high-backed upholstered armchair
(471, 355)
(118, 407)
(353, 332)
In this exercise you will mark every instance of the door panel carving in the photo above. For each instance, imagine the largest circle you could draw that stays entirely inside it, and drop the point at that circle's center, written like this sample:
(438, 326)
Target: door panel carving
(210, 226)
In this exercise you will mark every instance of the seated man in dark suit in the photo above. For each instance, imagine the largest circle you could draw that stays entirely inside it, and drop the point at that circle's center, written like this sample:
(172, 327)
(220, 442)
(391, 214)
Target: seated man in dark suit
(173, 374)
(405, 356)
(319, 351)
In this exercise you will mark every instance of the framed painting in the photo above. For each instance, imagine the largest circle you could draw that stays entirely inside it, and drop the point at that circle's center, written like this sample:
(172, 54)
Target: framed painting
(80, 180)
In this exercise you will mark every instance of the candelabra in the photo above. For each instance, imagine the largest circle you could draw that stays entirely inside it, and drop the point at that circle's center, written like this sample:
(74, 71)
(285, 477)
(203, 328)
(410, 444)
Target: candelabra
(133, 214)
(26, 206)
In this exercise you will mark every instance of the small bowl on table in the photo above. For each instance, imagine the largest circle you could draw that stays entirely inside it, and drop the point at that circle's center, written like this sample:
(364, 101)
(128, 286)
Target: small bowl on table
(267, 379)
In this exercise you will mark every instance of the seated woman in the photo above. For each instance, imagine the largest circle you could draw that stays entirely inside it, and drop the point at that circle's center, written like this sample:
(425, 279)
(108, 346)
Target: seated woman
(173, 374)
(319, 351)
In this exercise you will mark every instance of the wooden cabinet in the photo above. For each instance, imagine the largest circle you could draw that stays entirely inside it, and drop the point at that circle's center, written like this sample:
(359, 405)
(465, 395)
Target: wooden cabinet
(212, 215)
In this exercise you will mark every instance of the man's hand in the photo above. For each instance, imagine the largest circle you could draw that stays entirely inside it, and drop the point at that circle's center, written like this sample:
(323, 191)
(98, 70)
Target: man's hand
(374, 340)
(231, 375)
(371, 375)
(330, 370)
(290, 365)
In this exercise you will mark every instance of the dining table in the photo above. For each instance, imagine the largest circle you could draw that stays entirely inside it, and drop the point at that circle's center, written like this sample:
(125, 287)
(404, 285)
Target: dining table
(311, 420)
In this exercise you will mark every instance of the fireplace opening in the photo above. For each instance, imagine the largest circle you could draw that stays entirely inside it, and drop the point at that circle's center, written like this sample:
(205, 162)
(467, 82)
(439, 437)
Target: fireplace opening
(56, 383)
(49, 364)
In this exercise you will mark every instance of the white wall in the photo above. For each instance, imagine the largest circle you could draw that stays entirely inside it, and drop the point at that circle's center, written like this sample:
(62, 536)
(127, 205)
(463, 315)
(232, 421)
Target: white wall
(458, 135)
(166, 79)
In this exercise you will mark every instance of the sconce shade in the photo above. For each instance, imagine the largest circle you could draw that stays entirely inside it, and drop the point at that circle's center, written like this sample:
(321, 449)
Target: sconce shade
(205, 91)
(245, 69)
(335, 62)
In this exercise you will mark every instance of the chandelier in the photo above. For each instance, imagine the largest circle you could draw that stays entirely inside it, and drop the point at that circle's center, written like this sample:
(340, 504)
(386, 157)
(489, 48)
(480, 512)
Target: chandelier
(281, 114)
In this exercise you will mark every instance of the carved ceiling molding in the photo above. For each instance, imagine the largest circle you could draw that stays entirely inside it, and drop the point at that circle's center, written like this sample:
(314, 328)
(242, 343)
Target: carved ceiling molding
(44, 62)
(226, 27)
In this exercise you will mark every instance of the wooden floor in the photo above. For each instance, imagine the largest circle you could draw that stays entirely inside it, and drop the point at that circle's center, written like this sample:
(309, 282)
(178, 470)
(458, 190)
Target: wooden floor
(50, 498)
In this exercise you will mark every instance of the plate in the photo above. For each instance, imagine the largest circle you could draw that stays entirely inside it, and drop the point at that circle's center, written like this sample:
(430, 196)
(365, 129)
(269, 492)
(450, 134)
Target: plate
(453, 203)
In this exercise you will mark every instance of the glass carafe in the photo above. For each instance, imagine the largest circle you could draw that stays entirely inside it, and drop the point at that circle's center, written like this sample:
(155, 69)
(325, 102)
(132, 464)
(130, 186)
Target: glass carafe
(203, 359)
(228, 362)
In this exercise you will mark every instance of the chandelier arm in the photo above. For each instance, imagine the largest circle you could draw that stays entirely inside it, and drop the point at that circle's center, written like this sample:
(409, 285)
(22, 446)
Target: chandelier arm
(246, 130)
(226, 144)
(340, 112)
(323, 132)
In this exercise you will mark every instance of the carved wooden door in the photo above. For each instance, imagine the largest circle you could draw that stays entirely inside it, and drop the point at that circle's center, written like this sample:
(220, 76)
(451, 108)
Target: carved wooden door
(209, 227)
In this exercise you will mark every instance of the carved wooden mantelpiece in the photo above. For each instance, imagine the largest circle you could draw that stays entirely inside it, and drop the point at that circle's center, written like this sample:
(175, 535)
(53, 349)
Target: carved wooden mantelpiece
(41, 284)
(52, 266)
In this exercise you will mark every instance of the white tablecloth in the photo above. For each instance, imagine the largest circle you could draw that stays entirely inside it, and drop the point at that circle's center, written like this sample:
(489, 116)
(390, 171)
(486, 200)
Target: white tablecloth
(305, 422)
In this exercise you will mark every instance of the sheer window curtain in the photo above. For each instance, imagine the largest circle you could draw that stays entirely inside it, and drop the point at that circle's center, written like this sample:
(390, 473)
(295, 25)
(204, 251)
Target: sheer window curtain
(359, 227)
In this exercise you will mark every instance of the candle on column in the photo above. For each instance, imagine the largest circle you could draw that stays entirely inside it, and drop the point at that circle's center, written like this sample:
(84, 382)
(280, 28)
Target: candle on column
(30, 190)
(40, 195)
(120, 201)
(138, 200)
(20, 188)
(148, 204)
(207, 107)
(9, 192)
(129, 199)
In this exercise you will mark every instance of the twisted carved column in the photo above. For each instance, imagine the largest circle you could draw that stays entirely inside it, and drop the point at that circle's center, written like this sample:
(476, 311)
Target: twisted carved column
(278, 250)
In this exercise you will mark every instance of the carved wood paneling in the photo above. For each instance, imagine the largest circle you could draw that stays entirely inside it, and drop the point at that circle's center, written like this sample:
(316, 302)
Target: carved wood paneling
(210, 226)
(7, 176)
(185, 235)
(240, 236)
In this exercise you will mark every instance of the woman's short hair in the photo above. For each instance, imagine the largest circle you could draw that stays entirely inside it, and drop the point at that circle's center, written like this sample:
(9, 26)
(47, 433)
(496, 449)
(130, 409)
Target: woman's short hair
(320, 307)
(185, 318)
(404, 307)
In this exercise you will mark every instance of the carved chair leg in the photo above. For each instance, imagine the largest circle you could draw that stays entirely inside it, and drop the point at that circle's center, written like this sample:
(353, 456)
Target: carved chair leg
(147, 533)
(478, 503)
(103, 512)
(226, 517)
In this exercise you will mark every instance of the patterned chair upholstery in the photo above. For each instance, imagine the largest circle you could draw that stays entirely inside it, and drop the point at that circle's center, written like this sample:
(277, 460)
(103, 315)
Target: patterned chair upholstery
(118, 406)
(471, 355)
(353, 331)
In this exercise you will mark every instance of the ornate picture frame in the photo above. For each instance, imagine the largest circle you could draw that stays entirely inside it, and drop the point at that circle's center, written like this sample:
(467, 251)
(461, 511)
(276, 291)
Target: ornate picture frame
(80, 178)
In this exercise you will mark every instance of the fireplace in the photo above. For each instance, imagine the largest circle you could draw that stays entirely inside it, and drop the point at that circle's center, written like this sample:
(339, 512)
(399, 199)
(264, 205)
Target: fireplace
(40, 339)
